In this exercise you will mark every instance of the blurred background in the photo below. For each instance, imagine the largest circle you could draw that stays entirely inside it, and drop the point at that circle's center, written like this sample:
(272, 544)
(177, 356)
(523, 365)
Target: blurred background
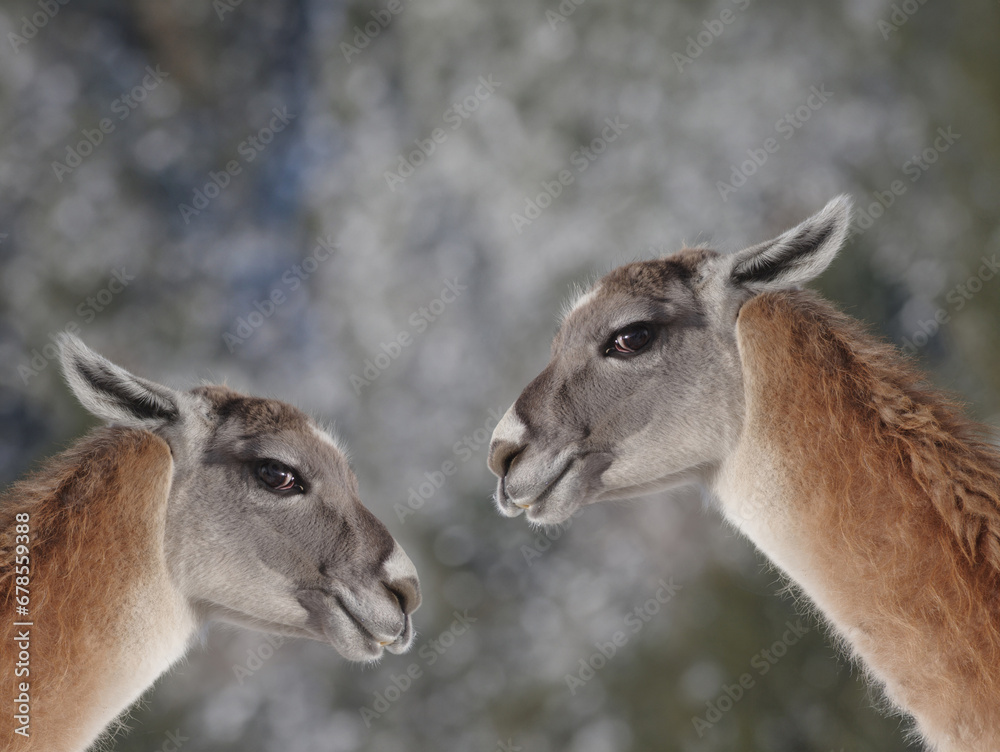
(272, 193)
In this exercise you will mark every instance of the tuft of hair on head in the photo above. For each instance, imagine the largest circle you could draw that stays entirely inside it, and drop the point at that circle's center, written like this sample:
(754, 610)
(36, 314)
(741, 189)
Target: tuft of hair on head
(578, 296)
(328, 434)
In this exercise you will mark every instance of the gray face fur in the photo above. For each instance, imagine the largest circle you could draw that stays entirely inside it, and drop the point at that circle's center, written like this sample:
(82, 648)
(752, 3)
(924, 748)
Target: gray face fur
(601, 424)
(307, 561)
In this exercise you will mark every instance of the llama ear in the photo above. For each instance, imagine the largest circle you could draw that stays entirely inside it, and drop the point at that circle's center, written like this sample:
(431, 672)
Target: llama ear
(796, 256)
(111, 392)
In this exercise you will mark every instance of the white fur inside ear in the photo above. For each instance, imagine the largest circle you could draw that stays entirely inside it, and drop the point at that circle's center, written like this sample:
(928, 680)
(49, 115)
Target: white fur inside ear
(112, 393)
(798, 255)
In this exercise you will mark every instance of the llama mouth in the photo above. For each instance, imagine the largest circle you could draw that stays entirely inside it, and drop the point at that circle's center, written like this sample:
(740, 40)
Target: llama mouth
(333, 621)
(504, 504)
(356, 621)
(398, 643)
(576, 484)
(533, 507)
(405, 639)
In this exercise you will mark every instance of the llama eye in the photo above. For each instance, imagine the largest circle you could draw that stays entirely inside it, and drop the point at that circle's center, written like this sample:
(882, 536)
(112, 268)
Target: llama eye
(629, 341)
(277, 476)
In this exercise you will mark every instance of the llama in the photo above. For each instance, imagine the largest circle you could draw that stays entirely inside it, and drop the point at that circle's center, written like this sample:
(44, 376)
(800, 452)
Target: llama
(188, 507)
(867, 489)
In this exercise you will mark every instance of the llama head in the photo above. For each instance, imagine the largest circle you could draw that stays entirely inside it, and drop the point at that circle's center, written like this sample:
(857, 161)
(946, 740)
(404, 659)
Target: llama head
(644, 387)
(264, 526)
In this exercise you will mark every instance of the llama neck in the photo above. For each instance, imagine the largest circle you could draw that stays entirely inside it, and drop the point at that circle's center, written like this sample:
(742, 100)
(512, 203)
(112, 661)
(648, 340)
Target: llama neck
(878, 500)
(107, 618)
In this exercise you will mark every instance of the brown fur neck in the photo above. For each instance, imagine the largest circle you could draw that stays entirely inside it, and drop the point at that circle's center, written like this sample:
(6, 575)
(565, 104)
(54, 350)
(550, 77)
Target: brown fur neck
(864, 393)
(99, 583)
(887, 511)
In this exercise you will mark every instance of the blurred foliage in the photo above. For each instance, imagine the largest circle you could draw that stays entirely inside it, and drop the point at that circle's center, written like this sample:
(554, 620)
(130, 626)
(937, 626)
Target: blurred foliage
(354, 114)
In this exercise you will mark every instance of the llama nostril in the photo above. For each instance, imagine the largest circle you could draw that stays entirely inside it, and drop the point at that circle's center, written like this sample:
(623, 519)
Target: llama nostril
(509, 460)
(406, 592)
(502, 456)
